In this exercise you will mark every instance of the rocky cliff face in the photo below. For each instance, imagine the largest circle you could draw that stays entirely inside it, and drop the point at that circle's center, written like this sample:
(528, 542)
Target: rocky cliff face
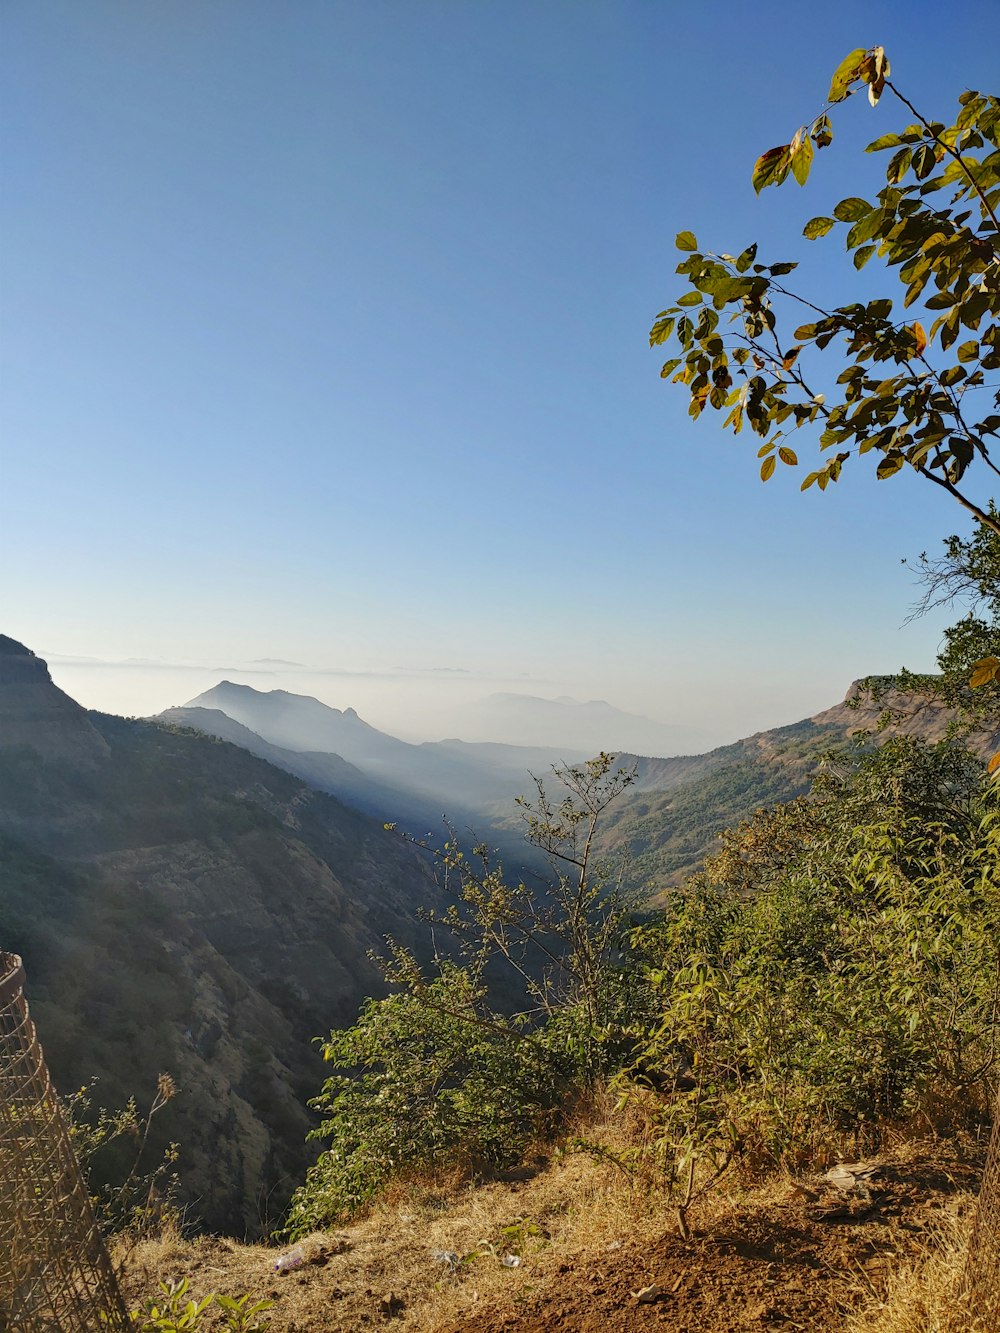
(37, 715)
(183, 906)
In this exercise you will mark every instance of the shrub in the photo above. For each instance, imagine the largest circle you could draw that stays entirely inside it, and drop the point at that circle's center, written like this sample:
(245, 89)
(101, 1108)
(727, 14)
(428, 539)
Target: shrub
(833, 981)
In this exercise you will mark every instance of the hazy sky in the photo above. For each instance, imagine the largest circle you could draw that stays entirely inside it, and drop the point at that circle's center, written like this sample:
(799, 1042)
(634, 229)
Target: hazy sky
(324, 339)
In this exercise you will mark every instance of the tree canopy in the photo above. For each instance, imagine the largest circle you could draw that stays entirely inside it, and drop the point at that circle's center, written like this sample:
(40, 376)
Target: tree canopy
(904, 376)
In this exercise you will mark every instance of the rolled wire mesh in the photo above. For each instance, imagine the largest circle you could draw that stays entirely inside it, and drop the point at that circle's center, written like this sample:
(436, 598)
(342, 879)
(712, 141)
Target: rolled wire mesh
(982, 1274)
(55, 1273)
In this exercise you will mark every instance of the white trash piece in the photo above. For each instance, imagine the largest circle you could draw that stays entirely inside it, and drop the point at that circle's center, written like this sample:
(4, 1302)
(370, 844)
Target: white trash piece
(286, 1262)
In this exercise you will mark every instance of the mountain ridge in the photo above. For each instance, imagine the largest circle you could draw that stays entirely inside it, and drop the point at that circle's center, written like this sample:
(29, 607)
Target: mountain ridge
(185, 906)
(462, 778)
(672, 816)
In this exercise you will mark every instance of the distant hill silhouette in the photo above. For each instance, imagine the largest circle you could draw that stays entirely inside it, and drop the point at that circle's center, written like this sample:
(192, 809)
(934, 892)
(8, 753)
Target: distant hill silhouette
(461, 778)
(592, 726)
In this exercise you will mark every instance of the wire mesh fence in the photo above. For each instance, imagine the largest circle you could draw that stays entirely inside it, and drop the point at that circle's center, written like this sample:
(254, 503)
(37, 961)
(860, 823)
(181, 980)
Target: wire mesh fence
(982, 1274)
(55, 1274)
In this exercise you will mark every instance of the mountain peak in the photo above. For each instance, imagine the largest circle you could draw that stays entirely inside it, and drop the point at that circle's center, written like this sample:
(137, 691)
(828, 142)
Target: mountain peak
(11, 648)
(36, 715)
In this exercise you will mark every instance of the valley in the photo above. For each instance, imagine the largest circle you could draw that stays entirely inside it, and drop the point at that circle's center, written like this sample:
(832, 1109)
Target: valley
(193, 894)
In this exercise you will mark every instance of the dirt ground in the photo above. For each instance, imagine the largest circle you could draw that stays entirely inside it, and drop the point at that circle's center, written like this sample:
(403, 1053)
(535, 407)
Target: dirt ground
(791, 1254)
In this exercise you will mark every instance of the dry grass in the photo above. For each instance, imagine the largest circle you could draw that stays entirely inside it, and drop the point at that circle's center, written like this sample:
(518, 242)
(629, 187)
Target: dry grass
(924, 1292)
(574, 1217)
(570, 1207)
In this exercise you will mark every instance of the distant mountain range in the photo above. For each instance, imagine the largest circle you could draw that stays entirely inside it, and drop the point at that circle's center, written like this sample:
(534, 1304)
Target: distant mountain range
(390, 777)
(525, 719)
(669, 820)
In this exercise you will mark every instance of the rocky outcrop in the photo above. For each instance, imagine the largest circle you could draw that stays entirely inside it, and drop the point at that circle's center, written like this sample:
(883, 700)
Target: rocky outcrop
(892, 712)
(36, 715)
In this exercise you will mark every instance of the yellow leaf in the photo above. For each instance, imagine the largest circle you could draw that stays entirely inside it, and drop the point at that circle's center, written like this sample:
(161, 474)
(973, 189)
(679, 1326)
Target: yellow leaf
(847, 71)
(921, 337)
(787, 456)
(994, 765)
(767, 467)
(984, 671)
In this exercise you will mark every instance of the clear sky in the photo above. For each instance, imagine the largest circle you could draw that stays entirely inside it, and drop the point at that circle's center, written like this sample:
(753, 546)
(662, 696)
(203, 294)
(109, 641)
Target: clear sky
(324, 339)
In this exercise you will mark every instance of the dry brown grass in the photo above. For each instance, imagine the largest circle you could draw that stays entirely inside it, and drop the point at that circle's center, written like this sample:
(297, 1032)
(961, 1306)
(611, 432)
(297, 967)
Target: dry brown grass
(924, 1291)
(583, 1228)
(571, 1206)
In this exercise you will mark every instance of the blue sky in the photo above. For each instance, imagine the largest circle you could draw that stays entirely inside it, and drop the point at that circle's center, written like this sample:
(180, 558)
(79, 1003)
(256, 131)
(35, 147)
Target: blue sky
(324, 338)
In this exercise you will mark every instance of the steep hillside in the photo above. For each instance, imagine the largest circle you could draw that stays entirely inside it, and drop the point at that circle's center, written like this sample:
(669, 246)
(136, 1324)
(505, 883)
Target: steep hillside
(52, 724)
(183, 906)
(673, 815)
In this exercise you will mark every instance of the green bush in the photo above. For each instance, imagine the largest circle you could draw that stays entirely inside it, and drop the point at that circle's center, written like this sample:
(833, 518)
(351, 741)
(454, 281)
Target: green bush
(832, 979)
(440, 1075)
(426, 1079)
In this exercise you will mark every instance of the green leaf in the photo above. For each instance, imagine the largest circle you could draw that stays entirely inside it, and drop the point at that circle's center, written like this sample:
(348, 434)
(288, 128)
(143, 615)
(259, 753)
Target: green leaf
(865, 229)
(690, 298)
(661, 330)
(949, 330)
(816, 227)
(685, 240)
(771, 167)
(850, 210)
(802, 157)
(889, 466)
(968, 351)
(746, 258)
(727, 289)
(899, 166)
(862, 256)
(845, 74)
(884, 141)
(924, 161)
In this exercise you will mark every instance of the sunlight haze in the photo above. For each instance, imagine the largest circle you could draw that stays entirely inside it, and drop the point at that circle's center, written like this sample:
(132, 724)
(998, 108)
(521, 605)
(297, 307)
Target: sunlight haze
(325, 341)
